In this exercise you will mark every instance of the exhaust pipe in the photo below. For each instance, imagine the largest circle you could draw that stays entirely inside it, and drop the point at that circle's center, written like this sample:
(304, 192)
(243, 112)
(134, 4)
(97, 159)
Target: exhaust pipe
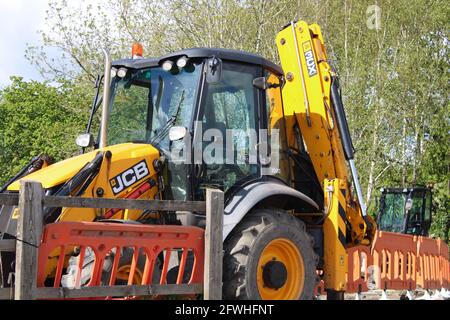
(106, 96)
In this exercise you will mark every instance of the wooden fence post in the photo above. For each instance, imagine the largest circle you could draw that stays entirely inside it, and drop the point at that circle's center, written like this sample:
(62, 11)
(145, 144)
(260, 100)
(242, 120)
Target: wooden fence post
(213, 245)
(29, 231)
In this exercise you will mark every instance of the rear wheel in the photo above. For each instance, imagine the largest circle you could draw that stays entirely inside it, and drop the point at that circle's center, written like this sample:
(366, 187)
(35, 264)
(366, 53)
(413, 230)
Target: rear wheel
(269, 256)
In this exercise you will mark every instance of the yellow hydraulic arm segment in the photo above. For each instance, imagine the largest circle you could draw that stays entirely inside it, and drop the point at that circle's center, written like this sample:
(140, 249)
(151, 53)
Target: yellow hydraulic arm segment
(312, 103)
(335, 253)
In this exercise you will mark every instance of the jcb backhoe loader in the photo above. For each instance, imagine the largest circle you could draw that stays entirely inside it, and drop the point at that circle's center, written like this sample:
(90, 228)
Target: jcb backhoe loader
(289, 211)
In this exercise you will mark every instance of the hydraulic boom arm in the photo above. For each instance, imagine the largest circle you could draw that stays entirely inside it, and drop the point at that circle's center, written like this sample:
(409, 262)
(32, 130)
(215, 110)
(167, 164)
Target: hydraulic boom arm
(312, 101)
(316, 124)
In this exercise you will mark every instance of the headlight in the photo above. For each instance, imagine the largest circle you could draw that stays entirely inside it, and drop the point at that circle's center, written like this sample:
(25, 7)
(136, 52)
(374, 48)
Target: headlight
(167, 65)
(122, 72)
(113, 72)
(182, 62)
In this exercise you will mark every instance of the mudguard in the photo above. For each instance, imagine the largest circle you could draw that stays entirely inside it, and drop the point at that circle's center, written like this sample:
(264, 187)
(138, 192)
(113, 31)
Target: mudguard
(271, 194)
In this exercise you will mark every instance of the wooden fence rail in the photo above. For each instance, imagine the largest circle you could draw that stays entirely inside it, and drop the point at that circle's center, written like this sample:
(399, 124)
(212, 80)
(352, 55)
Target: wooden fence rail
(31, 201)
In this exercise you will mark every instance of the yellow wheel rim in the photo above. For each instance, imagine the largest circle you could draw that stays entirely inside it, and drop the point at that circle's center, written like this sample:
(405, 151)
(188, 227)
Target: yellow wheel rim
(124, 272)
(286, 252)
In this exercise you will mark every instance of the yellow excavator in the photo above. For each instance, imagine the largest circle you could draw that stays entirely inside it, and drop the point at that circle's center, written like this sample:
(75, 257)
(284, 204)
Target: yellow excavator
(275, 140)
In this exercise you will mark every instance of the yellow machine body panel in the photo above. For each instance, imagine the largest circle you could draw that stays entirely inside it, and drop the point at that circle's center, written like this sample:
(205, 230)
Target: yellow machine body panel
(335, 253)
(110, 181)
(275, 103)
(61, 171)
(56, 173)
(276, 116)
(306, 98)
(124, 158)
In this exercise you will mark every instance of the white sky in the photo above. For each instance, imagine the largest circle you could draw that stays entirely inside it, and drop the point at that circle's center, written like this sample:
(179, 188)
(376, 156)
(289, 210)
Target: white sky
(20, 21)
(19, 25)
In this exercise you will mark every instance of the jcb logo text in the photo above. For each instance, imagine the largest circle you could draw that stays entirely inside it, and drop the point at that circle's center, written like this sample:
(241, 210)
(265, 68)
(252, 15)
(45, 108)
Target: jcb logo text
(129, 177)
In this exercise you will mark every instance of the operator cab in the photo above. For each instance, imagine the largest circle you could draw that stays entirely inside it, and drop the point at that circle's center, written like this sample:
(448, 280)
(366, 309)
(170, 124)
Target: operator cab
(214, 106)
(405, 210)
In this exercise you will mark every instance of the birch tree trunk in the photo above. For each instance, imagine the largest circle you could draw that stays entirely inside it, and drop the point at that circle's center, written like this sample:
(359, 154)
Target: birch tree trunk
(371, 182)
(404, 146)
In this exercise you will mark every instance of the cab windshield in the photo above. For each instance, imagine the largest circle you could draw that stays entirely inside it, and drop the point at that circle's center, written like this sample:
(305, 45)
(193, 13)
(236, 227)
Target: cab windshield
(145, 103)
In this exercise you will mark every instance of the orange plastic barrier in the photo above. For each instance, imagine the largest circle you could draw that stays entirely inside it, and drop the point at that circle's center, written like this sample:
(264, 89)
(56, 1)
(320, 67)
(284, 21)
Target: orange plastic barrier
(428, 260)
(395, 261)
(444, 264)
(398, 262)
(154, 243)
(359, 260)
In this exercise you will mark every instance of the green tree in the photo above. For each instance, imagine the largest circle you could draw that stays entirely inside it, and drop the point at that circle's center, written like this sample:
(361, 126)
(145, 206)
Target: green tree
(38, 118)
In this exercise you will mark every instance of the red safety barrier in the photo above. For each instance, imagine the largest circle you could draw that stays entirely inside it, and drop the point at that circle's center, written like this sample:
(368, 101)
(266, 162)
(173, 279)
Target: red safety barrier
(398, 262)
(163, 254)
(154, 251)
(359, 260)
(428, 263)
(395, 256)
(444, 264)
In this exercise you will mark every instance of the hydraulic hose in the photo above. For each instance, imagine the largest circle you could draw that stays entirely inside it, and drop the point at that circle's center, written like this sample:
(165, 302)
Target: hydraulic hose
(346, 140)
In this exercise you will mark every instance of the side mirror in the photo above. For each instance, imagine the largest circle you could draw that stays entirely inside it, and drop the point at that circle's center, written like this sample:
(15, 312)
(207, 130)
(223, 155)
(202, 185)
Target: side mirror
(177, 133)
(85, 140)
(214, 70)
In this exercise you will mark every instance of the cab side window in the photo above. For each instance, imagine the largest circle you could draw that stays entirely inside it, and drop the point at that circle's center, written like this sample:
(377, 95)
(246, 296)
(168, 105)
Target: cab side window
(393, 213)
(231, 111)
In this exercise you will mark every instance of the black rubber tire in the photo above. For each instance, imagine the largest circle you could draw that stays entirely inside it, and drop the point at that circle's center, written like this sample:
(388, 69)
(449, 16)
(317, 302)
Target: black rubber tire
(245, 244)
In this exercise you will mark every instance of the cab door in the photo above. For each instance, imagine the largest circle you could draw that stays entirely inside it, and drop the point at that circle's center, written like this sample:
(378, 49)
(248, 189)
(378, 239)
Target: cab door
(228, 125)
(419, 215)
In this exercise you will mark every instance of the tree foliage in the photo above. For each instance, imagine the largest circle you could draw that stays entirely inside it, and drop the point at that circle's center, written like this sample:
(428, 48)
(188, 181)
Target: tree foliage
(38, 118)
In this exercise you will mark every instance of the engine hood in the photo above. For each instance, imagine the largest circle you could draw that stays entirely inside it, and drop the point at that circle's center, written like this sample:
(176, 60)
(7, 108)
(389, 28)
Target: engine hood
(60, 172)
